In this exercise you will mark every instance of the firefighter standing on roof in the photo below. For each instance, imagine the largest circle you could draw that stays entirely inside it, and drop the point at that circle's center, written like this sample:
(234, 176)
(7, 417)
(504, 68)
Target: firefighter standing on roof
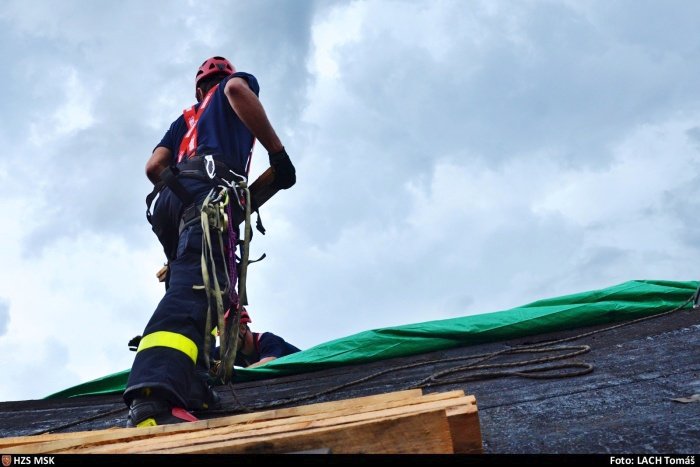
(210, 144)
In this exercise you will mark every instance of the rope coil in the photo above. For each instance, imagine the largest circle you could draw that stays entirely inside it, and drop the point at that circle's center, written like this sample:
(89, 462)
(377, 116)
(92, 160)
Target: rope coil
(575, 368)
(216, 216)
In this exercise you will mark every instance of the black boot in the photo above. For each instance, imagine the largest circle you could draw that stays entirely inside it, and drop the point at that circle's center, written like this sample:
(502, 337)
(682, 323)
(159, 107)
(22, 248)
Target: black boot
(152, 411)
(203, 397)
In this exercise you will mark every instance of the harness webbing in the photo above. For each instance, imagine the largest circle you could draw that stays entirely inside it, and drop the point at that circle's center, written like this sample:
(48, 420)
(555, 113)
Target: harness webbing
(211, 219)
(188, 145)
(245, 254)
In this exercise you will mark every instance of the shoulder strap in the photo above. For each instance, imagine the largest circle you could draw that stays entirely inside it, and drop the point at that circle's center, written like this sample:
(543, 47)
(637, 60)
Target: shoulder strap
(188, 145)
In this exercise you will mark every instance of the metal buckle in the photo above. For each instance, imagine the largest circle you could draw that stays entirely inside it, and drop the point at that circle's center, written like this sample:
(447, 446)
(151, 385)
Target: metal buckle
(210, 166)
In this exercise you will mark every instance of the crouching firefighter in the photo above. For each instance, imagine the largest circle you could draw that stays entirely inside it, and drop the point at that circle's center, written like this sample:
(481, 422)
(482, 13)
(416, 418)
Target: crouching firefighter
(200, 170)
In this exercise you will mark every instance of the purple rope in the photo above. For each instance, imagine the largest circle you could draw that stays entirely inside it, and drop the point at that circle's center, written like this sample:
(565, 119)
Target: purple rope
(231, 256)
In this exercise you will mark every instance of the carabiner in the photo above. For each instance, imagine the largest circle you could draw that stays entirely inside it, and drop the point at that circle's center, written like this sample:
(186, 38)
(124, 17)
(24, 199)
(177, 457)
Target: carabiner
(210, 166)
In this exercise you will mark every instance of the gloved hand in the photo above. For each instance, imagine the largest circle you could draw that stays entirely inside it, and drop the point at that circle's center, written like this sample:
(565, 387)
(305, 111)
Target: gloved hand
(134, 343)
(285, 174)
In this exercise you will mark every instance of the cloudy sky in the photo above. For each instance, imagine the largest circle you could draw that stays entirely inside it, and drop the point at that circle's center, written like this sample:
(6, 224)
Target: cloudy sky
(453, 158)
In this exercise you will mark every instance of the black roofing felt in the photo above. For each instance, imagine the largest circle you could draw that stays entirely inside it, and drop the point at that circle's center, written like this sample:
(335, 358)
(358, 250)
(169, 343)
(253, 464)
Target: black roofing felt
(623, 406)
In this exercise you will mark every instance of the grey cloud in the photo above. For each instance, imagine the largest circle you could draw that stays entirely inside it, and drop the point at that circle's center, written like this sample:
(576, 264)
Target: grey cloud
(694, 135)
(94, 178)
(4, 315)
(683, 202)
(568, 86)
(276, 37)
(94, 183)
(599, 261)
(643, 23)
(411, 274)
(47, 364)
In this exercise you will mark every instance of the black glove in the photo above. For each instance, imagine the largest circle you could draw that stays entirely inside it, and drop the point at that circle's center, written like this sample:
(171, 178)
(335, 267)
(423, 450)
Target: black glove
(134, 343)
(285, 174)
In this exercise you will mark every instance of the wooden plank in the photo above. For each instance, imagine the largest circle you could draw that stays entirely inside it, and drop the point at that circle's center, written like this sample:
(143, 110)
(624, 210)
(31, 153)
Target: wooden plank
(51, 442)
(420, 433)
(462, 419)
(48, 437)
(241, 425)
(286, 425)
(465, 429)
(321, 407)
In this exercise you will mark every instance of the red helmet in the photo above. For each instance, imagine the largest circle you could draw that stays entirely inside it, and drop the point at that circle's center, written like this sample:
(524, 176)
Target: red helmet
(245, 318)
(213, 66)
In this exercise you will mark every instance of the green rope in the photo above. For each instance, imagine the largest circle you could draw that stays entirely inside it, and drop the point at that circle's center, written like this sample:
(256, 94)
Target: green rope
(248, 233)
(214, 218)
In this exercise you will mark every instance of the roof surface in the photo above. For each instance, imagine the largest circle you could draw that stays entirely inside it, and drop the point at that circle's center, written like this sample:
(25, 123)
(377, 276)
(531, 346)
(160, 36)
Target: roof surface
(625, 405)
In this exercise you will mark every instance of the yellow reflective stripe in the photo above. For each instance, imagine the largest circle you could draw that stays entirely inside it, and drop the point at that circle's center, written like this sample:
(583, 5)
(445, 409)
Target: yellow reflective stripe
(170, 339)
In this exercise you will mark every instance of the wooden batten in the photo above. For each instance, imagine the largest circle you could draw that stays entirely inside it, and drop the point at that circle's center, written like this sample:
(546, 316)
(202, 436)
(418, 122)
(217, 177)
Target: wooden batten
(433, 423)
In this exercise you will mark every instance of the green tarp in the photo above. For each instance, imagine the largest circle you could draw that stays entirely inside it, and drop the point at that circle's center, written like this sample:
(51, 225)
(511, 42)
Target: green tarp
(622, 302)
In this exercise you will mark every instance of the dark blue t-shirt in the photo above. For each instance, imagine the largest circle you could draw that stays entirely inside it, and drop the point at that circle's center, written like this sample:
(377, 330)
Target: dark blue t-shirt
(266, 345)
(219, 130)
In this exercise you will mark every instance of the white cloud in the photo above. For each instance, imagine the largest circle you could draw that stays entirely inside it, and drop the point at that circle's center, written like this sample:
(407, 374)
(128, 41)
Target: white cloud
(86, 297)
(341, 26)
(72, 115)
(646, 163)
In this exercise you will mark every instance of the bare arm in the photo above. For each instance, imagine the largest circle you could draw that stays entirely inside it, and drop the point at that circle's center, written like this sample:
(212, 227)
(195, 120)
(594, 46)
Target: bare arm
(159, 160)
(251, 112)
(262, 361)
